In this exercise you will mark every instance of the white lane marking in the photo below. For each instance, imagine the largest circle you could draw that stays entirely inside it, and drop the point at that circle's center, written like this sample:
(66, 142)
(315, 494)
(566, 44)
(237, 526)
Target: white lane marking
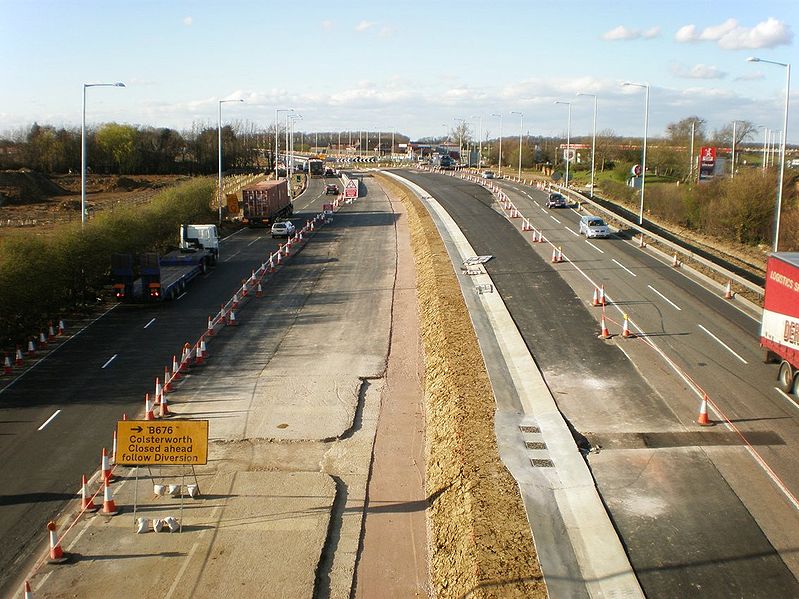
(573, 232)
(111, 359)
(544, 210)
(555, 219)
(181, 295)
(665, 298)
(149, 323)
(232, 256)
(595, 247)
(787, 397)
(724, 345)
(624, 267)
(49, 420)
(254, 240)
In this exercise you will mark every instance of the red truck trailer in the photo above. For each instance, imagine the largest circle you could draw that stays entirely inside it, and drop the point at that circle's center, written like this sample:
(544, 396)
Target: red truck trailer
(265, 202)
(779, 329)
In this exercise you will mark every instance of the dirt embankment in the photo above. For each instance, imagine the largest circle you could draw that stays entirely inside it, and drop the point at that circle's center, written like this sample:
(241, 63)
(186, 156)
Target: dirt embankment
(31, 199)
(480, 541)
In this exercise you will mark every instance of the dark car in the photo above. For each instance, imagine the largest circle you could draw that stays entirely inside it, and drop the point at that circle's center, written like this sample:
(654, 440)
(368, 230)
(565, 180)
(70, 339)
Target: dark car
(556, 200)
(329, 172)
(331, 188)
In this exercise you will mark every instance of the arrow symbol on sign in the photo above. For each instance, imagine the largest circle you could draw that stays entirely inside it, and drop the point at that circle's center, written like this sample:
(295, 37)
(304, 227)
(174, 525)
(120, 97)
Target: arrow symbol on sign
(136, 429)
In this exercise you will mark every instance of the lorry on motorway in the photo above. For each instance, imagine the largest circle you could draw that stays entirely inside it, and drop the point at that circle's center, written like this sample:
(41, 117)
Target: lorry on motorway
(316, 167)
(779, 328)
(265, 202)
(154, 278)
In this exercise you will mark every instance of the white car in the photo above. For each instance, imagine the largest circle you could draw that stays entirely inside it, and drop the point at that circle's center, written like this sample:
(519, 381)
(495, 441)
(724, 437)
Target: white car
(593, 226)
(488, 175)
(283, 228)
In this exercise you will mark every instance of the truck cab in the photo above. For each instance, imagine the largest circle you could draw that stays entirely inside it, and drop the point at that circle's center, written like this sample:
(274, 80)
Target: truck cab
(195, 238)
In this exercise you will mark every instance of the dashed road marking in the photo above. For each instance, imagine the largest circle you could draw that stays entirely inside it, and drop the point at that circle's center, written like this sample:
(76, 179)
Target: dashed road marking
(724, 345)
(665, 298)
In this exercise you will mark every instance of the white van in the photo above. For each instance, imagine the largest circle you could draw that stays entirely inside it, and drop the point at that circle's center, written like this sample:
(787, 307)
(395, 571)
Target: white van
(593, 226)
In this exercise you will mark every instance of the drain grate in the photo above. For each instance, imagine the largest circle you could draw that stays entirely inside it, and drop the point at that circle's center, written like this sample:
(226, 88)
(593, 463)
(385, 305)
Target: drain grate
(535, 445)
(541, 463)
(530, 429)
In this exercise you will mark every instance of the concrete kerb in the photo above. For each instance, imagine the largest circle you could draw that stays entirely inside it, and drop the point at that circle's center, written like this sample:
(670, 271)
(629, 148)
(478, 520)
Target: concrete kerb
(603, 565)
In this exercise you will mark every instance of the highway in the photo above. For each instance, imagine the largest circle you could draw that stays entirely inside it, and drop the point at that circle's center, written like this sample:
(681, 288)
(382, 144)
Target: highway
(698, 510)
(56, 417)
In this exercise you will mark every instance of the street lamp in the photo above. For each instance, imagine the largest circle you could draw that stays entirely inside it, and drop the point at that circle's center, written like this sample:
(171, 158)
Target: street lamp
(219, 143)
(499, 160)
(460, 142)
(480, 139)
(593, 142)
(83, 147)
(521, 126)
(643, 160)
(277, 134)
(567, 155)
(782, 144)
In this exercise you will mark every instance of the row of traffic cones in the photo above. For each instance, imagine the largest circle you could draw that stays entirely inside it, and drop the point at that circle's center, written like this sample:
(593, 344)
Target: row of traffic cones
(34, 345)
(604, 333)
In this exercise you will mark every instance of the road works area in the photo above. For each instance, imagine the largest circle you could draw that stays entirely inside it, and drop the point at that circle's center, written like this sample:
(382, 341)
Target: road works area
(352, 449)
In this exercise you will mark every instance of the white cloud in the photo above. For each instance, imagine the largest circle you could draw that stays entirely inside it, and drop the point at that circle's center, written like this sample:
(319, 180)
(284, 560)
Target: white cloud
(700, 71)
(625, 33)
(187, 21)
(364, 25)
(328, 25)
(729, 35)
(754, 76)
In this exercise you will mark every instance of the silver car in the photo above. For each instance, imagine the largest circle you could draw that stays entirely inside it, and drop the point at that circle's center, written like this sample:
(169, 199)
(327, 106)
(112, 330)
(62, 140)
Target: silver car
(593, 226)
(283, 229)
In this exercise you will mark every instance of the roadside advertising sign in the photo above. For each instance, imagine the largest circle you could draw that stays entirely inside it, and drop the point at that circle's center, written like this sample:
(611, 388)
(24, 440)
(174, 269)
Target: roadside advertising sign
(707, 163)
(159, 443)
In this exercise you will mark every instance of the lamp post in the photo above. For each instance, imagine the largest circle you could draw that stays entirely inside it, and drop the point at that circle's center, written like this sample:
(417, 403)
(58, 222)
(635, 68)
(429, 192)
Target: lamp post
(593, 142)
(567, 154)
(83, 147)
(277, 134)
(521, 126)
(290, 119)
(460, 142)
(499, 159)
(480, 139)
(219, 144)
(782, 143)
(643, 160)
(734, 135)
(766, 133)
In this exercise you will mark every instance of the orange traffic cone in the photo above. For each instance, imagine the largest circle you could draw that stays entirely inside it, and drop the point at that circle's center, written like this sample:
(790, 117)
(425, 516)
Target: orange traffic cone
(222, 314)
(18, 359)
(198, 354)
(114, 448)
(271, 264)
(259, 292)
(602, 295)
(625, 331)
(50, 331)
(42, 340)
(86, 498)
(109, 507)
(7, 368)
(57, 555)
(244, 287)
(210, 330)
(26, 589)
(595, 299)
(158, 392)
(203, 349)
(175, 369)
(604, 333)
(703, 420)
(167, 388)
(675, 263)
(31, 347)
(728, 292)
(105, 466)
(232, 320)
(554, 254)
(148, 408)
(235, 303)
(164, 410)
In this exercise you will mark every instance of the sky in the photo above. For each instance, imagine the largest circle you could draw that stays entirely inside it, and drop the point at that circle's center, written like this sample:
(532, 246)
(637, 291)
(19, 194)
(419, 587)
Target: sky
(410, 66)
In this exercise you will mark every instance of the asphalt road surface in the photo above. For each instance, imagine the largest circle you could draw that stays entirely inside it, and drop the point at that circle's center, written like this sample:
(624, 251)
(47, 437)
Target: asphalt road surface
(55, 417)
(695, 508)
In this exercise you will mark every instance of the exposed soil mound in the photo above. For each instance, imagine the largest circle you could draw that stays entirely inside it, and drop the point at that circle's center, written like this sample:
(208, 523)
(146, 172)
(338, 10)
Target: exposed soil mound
(26, 187)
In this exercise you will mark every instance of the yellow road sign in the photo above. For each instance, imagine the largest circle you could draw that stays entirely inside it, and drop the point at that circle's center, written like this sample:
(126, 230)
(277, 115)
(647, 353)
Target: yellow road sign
(159, 443)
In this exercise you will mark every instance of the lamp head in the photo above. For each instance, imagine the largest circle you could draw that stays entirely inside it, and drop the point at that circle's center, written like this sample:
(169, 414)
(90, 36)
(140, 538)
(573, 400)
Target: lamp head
(119, 84)
(753, 59)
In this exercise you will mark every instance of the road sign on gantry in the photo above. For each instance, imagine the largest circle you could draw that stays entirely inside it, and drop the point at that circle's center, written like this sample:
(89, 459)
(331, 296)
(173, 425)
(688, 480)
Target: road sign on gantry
(154, 443)
(351, 189)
